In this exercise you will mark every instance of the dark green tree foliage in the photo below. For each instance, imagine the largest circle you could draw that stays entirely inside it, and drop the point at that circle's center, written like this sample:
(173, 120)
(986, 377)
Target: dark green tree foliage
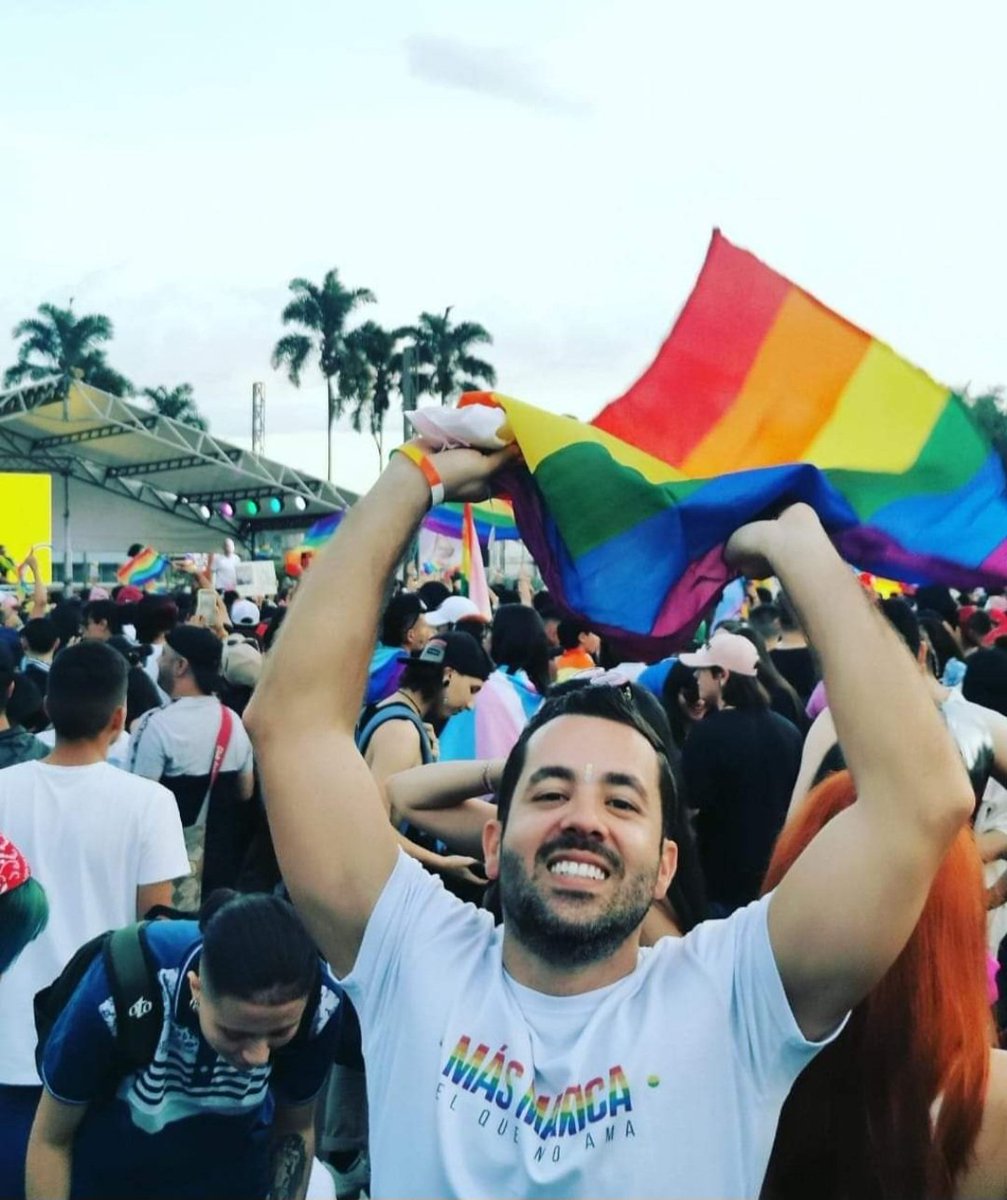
(177, 403)
(321, 313)
(58, 342)
(373, 374)
(990, 413)
(446, 364)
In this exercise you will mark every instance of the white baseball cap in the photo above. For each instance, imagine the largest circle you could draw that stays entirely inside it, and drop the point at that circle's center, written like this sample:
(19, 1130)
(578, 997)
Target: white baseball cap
(244, 612)
(454, 609)
(729, 651)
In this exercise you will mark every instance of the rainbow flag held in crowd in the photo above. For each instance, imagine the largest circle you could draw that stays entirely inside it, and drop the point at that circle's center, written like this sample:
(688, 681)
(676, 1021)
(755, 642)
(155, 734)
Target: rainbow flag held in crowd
(473, 573)
(143, 568)
(322, 530)
(760, 397)
(492, 518)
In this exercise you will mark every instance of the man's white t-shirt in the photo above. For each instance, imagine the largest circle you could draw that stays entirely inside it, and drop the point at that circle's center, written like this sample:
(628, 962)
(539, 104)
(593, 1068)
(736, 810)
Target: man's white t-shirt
(118, 752)
(92, 835)
(225, 567)
(667, 1083)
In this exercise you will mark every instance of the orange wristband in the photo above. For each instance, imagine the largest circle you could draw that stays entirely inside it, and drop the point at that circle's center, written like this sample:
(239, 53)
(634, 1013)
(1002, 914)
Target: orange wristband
(416, 455)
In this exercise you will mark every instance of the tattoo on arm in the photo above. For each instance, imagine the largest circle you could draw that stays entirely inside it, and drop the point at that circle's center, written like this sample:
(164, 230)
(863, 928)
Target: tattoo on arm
(289, 1162)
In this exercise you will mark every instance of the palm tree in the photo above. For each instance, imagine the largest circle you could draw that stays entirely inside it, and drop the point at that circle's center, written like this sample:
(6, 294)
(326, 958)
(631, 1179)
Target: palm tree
(57, 342)
(177, 403)
(446, 363)
(322, 312)
(374, 373)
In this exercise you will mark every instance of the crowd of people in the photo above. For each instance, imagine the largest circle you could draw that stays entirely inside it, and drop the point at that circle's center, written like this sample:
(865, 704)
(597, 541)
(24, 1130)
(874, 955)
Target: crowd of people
(353, 890)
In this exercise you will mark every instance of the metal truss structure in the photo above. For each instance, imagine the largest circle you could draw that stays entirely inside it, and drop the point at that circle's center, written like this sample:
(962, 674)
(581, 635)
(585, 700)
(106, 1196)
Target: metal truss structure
(70, 429)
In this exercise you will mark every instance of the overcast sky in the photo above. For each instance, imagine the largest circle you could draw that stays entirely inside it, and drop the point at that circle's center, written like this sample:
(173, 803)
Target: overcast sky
(552, 170)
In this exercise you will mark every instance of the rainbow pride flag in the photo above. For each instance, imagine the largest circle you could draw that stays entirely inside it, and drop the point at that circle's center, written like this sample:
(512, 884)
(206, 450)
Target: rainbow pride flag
(319, 533)
(761, 396)
(494, 517)
(143, 568)
(472, 572)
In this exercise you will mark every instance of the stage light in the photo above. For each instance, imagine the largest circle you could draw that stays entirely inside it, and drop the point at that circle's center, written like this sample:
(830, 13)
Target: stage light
(300, 503)
(250, 508)
(226, 509)
(204, 511)
(274, 504)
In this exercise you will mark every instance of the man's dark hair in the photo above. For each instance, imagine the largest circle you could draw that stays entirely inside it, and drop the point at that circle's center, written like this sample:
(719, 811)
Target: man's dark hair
(766, 618)
(153, 616)
(624, 705)
(107, 611)
(66, 617)
(937, 598)
(904, 621)
(978, 626)
(401, 614)
(87, 683)
(475, 627)
(545, 606)
(255, 948)
(569, 631)
(433, 593)
(427, 679)
(40, 635)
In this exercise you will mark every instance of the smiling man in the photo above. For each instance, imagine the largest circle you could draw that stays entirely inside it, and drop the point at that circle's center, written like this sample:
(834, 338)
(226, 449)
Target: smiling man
(551, 1056)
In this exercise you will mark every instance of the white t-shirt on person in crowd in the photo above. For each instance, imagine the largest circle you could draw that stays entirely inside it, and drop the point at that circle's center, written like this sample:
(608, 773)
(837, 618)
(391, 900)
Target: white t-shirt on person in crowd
(666, 1083)
(225, 567)
(92, 835)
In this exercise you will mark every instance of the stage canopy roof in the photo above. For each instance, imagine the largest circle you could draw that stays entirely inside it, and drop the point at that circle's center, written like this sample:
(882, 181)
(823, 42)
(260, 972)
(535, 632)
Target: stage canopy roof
(122, 447)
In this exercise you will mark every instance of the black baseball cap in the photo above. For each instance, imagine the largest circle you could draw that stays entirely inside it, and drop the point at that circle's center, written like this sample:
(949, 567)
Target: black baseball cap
(459, 651)
(198, 646)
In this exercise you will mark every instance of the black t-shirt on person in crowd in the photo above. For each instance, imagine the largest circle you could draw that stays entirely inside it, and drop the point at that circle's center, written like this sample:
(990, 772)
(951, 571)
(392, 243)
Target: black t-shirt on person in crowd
(797, 666)
(740, 766)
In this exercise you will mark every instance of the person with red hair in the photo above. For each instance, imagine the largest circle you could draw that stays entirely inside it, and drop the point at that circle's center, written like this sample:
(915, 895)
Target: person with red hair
(910, 1100)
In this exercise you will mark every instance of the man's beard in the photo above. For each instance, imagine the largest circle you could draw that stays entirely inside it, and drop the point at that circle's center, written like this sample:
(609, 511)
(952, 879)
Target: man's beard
(550, 936)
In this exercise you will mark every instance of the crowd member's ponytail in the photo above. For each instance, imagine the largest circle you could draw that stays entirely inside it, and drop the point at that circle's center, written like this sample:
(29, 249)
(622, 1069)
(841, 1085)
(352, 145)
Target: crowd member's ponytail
(255, 948)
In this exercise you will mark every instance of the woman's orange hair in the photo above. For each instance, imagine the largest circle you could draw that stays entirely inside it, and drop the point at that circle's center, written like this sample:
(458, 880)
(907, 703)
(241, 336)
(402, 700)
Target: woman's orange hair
(859, 1122)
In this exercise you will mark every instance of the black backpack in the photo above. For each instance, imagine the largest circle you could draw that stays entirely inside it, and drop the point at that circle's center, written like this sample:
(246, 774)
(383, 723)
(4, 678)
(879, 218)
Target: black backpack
(136, 993)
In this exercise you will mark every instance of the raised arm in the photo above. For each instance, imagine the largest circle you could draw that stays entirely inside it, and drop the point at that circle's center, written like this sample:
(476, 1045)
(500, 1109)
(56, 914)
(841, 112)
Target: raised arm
(848, 905)
(40, 594)
(445, 800)
(333, 841)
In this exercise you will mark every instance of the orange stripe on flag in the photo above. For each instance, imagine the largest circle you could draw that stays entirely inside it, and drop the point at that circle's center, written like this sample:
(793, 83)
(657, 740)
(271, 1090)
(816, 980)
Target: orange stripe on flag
(789, 394)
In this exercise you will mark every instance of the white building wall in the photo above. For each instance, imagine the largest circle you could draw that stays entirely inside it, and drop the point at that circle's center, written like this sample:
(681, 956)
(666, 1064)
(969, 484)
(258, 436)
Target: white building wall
(103, 526)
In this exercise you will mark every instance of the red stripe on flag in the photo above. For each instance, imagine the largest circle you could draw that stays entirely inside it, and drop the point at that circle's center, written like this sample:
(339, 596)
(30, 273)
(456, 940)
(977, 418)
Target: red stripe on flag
(702, 365)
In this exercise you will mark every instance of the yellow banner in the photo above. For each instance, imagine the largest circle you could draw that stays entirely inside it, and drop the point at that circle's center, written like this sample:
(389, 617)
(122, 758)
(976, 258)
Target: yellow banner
(26, 521)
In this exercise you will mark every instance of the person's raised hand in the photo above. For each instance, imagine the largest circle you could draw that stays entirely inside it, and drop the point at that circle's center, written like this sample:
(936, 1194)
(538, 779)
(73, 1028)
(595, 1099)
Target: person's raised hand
(751, 548)
(466, 474)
